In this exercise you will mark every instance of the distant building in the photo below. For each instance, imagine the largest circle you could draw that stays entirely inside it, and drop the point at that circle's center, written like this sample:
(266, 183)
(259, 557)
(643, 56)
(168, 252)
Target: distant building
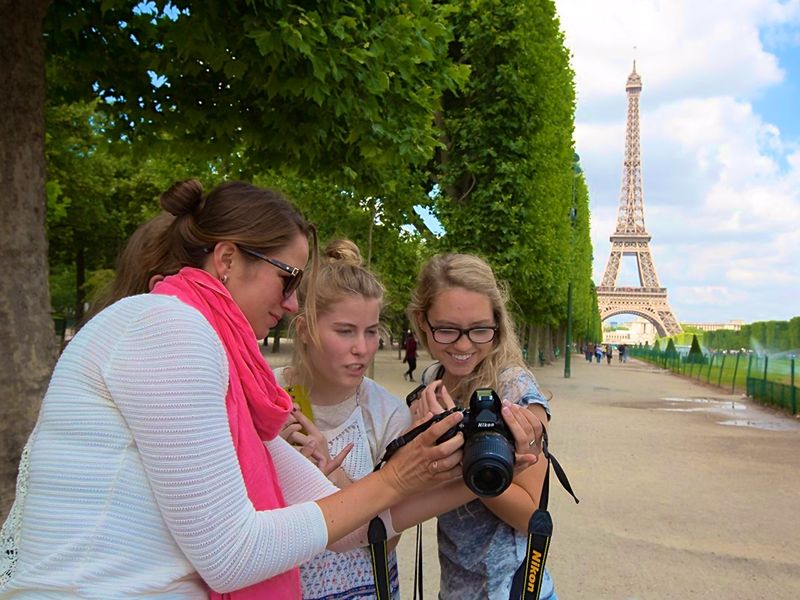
(730, 325)
(639, 331)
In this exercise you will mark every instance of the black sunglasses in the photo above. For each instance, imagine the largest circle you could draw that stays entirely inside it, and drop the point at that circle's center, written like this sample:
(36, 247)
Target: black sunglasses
(291, 283)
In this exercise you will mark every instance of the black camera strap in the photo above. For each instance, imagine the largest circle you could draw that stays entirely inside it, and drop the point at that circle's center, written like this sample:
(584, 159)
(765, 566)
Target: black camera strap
(376, 534)
(527, 581)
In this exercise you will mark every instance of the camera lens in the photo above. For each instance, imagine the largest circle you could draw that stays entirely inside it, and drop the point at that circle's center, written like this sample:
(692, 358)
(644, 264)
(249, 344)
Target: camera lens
(488, 464)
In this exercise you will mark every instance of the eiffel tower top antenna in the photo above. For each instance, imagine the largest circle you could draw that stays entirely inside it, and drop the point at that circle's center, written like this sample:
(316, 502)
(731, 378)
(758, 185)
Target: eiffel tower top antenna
(630, 219)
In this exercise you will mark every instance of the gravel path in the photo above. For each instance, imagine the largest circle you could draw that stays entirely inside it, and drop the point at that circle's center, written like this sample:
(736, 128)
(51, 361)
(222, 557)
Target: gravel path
(686, 491)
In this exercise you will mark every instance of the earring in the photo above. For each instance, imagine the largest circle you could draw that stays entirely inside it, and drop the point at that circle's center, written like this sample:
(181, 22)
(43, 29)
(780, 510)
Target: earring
(224, 279)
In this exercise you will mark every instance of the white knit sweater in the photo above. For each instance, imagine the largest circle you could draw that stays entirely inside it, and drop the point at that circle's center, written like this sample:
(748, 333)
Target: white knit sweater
(134, 487)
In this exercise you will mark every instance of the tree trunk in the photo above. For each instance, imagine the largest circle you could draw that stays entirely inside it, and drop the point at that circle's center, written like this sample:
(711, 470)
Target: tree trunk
(27, 338)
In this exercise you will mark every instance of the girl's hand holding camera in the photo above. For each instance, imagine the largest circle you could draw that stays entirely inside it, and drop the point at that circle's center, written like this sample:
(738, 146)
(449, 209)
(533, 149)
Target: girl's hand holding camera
(523, 424)
(423, 462)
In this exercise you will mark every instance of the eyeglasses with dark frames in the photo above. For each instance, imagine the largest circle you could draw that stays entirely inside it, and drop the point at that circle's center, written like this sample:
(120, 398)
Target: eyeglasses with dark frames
(450, 335)
(291, 283)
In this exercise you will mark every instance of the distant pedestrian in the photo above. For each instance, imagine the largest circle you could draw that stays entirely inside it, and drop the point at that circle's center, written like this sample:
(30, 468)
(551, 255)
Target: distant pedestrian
(587, 352)
(411, 356)
(609, 353)
(598, 353)
(621, 353)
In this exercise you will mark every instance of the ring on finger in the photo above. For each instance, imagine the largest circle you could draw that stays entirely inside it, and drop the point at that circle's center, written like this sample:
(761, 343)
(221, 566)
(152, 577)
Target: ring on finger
(434, 467)
(532, 443)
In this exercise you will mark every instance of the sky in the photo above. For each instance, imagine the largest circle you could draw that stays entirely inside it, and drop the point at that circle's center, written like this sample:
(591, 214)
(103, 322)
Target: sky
(720, 143)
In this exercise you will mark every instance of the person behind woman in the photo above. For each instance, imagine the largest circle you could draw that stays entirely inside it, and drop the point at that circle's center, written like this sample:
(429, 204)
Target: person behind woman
(410, 356)
(460, 314)
(337, 330)
(156, 469)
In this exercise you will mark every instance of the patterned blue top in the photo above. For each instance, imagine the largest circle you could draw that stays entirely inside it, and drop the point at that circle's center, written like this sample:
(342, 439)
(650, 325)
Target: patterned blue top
(478, 552)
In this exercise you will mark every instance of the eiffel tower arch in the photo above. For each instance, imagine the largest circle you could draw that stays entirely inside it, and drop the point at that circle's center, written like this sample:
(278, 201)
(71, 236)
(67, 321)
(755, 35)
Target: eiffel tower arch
(648, 299)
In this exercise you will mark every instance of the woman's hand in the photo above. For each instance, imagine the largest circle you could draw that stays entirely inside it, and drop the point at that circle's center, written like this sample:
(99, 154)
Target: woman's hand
(527, 431)
(423, 463)
(434, 399)
(303, 434)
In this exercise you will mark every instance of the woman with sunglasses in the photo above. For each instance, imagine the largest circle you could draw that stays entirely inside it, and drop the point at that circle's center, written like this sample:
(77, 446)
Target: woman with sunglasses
(155, 468)
(460, 315)
(354, 418)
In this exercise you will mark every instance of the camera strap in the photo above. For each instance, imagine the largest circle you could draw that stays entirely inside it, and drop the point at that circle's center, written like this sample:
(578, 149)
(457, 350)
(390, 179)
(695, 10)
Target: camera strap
(527, 581)
(376, 533)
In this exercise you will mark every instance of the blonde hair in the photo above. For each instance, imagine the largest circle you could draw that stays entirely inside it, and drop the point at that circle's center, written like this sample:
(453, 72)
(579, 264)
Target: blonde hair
(340, 274)
(447, 271)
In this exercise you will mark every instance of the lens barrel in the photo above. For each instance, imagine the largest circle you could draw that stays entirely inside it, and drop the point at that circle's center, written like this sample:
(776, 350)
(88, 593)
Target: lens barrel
(488, 463)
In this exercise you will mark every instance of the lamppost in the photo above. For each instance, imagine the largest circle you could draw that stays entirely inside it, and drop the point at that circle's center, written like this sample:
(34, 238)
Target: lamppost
(573, 215)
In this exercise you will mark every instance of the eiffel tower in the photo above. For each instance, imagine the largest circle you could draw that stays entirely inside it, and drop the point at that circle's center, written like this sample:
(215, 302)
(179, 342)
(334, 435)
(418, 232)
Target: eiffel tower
(649, 299)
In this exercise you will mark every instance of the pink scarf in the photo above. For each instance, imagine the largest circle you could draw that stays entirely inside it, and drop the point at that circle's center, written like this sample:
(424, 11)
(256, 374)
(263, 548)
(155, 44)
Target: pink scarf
(257, 407)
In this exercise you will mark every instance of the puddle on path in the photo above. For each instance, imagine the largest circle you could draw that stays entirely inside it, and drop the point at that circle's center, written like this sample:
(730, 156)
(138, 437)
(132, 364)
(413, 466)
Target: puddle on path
(769, 425)
(734, 413)
(701, 405)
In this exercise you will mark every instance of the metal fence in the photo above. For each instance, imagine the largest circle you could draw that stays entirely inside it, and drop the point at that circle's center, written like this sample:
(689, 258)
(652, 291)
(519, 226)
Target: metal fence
(770, 380)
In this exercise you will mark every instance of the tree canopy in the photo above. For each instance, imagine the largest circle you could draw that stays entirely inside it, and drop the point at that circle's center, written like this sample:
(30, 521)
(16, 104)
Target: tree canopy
(359, 110)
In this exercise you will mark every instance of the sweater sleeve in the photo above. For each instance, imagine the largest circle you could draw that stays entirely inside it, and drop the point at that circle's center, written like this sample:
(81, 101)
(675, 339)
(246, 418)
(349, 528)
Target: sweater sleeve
(302, 481)
(168, 377)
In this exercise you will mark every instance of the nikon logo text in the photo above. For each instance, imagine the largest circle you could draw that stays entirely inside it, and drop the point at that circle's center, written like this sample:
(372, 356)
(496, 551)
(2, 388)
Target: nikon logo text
(533, 570)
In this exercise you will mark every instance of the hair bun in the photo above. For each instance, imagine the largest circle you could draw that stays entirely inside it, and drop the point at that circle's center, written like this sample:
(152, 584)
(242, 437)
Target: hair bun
(183, 197)
(344, 251)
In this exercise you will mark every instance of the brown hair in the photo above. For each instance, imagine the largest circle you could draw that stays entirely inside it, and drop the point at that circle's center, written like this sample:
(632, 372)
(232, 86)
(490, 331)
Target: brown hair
(341, 273)
(258, 218)
(469, 272)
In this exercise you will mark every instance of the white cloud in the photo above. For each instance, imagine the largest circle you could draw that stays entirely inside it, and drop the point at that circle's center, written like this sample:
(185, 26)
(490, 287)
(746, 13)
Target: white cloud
(721, 182)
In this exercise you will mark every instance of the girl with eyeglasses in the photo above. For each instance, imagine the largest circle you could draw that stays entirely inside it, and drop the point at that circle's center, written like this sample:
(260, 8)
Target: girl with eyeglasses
(460, 315)
(155, 468)
(354, 418)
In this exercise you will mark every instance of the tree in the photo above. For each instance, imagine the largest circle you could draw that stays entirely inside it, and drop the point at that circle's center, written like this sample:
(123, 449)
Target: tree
(348, 85)
(695, 355)
(505, 179)
(27, 336)
(346, 88)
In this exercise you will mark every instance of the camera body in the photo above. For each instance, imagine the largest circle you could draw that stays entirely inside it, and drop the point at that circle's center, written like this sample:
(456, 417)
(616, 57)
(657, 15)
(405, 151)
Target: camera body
(488, 463)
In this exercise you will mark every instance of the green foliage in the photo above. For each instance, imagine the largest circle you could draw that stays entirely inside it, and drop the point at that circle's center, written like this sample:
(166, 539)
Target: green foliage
(98, 192)
(761, 336)
(347, 87)
(392, 251)
(671, 351)
(507, 179)
(62, 290)
(695, 355)
(341, 104)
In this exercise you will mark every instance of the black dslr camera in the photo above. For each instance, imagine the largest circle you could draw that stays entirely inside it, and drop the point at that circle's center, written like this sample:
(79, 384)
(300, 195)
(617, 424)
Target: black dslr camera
(488, 463)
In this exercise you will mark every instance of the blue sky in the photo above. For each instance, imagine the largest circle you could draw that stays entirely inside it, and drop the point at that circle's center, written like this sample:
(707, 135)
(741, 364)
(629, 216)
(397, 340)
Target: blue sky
(720, 137)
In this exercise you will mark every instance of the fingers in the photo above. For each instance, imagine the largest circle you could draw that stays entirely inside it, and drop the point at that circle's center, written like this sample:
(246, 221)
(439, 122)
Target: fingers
(422, 418)
(290, 429)
(307, 424)
(434, 399)
(309, 449)
(336, 462)
(445, 399)
(525, 427)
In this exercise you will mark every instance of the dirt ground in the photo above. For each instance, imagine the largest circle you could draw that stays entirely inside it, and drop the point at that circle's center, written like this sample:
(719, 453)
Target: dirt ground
(686, 491)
